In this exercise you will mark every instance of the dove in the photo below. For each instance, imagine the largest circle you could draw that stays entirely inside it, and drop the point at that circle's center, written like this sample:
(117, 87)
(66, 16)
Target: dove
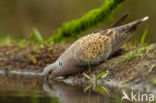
(91, 49)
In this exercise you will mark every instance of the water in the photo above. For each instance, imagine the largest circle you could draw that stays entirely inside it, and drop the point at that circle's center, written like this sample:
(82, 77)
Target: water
(31, 89)
(17, 87)
(19, 17)
(15, 72)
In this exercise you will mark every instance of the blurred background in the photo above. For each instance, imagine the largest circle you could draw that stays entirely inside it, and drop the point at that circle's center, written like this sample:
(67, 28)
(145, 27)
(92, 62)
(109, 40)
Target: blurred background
(19, 17)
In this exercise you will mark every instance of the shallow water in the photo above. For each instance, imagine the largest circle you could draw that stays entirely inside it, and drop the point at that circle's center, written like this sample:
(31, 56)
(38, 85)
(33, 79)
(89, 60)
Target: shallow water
(31, 89)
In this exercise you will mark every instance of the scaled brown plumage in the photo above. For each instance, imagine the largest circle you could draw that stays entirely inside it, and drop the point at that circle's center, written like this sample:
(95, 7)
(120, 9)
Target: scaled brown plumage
(93, 48)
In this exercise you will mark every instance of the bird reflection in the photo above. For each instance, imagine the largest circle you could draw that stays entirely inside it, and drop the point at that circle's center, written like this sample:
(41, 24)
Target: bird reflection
(69, 94)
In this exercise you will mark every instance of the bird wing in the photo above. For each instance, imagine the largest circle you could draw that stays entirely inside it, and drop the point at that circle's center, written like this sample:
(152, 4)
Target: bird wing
(93, 48)
(98, 46)
(117, 38)
(120, 21)
(117, 23)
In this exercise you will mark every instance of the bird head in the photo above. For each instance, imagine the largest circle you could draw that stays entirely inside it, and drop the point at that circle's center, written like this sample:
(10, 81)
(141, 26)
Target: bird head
(52, 70)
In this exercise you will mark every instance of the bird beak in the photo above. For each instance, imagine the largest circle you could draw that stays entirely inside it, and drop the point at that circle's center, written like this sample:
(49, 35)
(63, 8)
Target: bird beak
(47, 77)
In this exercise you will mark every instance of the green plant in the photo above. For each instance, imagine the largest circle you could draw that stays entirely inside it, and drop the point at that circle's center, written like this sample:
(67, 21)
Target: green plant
(154, 81)
(20, 43)
(36, 36)
(131, 54)
(74, 28)
(89, 65)
(5, 40)
(142, 41)
(93, 78)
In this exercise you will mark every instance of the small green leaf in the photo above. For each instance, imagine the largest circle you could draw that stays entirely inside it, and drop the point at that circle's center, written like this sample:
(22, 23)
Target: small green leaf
(102, 75)
(100, 89)
(87, 76)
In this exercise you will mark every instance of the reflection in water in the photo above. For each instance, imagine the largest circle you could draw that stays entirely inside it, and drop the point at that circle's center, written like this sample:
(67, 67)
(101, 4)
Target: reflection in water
(68, 94)
(15, 88)
(15, 72)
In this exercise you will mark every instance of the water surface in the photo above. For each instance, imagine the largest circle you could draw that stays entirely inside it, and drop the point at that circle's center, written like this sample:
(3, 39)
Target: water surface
(31, 89)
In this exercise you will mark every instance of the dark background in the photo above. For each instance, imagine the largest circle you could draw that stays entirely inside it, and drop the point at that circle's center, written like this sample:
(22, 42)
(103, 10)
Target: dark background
(19, 17)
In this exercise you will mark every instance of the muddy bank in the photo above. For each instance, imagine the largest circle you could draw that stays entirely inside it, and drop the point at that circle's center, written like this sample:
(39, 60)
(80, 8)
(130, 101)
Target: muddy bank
(135, 73)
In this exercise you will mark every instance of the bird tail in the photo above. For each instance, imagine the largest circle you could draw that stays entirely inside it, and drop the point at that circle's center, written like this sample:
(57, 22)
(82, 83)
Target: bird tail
(124, 32)
(130, 27)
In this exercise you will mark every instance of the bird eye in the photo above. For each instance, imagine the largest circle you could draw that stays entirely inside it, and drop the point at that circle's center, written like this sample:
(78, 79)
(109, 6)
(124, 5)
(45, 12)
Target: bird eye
(60, 65)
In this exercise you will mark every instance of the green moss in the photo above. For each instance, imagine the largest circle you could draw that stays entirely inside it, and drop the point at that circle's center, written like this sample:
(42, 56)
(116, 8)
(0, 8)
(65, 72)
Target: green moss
(75, 27)
(72, 30)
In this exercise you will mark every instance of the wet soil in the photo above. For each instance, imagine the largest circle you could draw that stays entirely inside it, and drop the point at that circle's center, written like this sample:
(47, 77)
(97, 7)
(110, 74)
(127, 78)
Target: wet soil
(31, 57)
(135, 73)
